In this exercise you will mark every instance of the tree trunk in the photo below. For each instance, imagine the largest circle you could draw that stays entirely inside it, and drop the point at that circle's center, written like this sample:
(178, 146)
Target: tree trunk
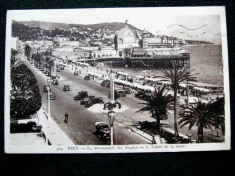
(50, 71)
(158, 124)
(175, 112)
(198, 133)
(202, 140)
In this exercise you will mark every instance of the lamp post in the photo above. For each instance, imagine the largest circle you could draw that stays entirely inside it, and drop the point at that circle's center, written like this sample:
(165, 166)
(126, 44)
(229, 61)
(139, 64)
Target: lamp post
(187, 93)
(55, 68)
(189, 137)
(111, 117)
(48, 96)
(111, 106)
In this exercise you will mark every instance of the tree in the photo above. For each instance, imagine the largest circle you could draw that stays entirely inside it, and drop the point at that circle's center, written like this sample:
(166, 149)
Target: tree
(27, 50)
(25, 97)
(158, 105)
(37, 59)
(177, 76)
(49, 64)
(217, 108)
(13, 58)
(199, 115)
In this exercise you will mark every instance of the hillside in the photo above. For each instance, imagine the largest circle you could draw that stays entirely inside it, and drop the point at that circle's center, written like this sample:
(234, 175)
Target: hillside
(114, 26)
(44, 25)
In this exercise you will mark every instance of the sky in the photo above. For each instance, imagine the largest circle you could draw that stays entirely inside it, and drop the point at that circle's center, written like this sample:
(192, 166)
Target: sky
(187, 23)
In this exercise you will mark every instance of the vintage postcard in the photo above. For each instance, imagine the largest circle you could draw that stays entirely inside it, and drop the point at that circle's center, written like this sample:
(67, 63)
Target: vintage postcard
(117, 80)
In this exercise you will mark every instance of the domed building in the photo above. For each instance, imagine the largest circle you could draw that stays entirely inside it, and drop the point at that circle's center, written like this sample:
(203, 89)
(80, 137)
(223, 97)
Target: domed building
(125, 39)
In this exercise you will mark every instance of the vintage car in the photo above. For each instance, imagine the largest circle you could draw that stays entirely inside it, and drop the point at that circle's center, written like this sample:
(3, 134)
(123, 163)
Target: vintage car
(119, 93)
(88, 77)
(55, 82)
(102, 130)
(105, 82)
(66, 88)
(140, 94)
(75, 73)
(46, 88)
(86, 99)
(184, 112)
(93, 101)
(55, 77)
(52, 96)
(81, 95)
(128, 90)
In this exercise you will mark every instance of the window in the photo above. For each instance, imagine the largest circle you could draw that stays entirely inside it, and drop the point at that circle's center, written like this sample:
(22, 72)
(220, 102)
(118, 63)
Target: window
(120, 53)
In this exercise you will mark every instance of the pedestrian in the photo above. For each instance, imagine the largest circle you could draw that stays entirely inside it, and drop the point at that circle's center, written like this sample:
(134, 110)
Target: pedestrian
(66, 117)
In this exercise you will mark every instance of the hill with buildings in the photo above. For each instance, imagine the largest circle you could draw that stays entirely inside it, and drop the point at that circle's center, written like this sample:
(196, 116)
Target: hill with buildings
(114, 26)
(45, 25)
(31, 30)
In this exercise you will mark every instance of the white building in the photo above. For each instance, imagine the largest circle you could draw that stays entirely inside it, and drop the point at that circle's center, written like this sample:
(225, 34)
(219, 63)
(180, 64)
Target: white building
(126, 38)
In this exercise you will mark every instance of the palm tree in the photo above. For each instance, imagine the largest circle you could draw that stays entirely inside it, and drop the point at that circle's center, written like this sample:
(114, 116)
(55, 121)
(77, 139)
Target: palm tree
(177, 76)
(158, 105)
(49, 64)
(199, 115)
(217, 108)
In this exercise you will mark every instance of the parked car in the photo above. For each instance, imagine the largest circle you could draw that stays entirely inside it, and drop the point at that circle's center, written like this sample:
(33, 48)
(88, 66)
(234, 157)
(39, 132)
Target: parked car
(76, 73)
(93, 101)
(147, 94)
(81, 95)
(108, 85)
(88, 77)
(128, 90)
(102, 130)
(184, 111)
(119, 93)
(52, 96)
(86, 99)
(105, 82)
(66, 88)
(46, 87)
(55, 77)
(139, 94)
(55, 82)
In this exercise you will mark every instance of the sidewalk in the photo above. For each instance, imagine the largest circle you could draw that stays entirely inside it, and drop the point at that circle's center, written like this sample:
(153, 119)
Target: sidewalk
(50, 130)
(26, 139)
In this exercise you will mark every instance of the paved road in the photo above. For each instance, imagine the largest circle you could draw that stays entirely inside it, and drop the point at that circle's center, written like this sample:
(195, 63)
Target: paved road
(81, 120)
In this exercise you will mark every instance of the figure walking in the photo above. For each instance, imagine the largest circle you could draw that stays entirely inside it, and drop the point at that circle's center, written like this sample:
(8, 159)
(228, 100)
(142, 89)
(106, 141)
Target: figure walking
(66, 117)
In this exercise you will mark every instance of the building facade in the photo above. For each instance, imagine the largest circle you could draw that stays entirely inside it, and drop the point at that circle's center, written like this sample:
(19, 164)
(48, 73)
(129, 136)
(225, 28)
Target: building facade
(124, 39)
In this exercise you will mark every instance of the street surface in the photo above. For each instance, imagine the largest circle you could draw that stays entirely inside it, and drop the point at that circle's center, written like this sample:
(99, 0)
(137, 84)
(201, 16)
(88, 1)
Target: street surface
(81, 125)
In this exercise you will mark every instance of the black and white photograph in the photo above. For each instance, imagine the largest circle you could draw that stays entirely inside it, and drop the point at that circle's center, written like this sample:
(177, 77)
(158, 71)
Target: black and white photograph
(116, 80)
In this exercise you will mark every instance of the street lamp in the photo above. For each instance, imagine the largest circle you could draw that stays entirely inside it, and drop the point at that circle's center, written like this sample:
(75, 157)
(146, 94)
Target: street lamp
(111, 117)
(48, 96)
(111, 106)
